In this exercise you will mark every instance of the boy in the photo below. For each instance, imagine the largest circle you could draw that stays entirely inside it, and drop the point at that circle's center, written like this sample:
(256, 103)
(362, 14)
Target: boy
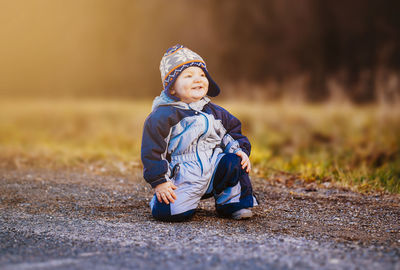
(191, 148)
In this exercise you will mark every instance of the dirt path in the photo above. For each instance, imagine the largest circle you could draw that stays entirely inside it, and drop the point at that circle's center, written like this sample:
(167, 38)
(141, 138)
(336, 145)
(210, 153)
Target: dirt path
(63, 220)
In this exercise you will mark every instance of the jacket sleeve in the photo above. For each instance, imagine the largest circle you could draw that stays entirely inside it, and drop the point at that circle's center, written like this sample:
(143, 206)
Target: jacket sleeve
(154, 150)
(234, 140)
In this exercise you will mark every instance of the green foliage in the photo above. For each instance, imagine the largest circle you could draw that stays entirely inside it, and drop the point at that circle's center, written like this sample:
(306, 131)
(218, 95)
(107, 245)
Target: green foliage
(357, 147)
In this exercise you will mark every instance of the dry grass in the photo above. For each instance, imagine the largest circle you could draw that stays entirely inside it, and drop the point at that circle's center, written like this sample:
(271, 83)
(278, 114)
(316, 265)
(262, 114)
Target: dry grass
(357, 147)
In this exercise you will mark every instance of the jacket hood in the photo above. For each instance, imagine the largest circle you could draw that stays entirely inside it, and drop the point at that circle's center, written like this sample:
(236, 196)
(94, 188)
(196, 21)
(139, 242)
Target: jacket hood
(165, 100)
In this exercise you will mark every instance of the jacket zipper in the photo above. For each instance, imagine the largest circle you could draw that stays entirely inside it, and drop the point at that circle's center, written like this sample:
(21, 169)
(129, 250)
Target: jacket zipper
(197, 144)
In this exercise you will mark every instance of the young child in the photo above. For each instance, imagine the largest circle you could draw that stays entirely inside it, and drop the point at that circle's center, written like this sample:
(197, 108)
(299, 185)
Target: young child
(191, 148)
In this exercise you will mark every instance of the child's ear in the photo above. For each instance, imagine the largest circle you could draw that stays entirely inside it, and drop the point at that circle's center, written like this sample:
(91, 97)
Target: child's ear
(172, 91)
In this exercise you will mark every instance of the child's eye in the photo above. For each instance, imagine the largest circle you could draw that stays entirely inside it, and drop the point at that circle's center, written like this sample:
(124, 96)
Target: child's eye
(203, 75)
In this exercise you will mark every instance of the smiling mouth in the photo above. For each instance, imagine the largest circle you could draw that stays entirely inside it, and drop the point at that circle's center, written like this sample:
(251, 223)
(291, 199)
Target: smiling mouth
(197, 88)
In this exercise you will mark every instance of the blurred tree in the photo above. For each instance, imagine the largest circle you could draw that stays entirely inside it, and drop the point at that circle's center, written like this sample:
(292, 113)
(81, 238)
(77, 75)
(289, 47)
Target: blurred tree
(113, 48)
(279, 38)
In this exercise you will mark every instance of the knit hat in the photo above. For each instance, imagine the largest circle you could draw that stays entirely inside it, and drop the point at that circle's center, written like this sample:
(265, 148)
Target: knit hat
(178, 58)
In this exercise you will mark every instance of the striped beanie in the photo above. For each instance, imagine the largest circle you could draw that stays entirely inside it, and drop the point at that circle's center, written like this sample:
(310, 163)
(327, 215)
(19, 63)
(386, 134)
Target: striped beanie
(178, 58)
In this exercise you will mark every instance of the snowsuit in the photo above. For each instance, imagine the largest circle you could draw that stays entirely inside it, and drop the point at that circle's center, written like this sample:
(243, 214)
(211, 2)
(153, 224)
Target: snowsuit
(194, 145)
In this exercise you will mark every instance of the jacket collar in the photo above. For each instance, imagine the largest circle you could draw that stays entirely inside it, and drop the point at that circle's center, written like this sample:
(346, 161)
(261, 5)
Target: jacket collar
(166, 100)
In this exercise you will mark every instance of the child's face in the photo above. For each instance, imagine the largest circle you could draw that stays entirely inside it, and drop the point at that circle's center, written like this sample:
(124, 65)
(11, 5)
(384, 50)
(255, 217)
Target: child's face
(191, 85)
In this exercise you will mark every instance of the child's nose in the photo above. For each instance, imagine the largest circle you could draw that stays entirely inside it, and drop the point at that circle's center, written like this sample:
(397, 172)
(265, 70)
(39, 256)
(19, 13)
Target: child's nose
(198, 78)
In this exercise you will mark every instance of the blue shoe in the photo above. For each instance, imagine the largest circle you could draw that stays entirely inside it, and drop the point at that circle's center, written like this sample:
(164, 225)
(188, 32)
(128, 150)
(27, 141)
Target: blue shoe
(244, 213)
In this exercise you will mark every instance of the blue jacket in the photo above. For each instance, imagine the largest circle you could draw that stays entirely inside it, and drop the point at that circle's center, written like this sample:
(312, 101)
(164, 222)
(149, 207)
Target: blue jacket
(195, 133)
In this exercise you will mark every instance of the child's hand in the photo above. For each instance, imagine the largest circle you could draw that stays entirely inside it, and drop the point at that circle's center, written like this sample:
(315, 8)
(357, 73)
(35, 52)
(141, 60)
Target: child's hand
(165, 192)
(245, 161)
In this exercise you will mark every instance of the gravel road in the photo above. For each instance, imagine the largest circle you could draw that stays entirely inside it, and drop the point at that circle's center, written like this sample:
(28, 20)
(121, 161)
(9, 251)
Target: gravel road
(77, 220)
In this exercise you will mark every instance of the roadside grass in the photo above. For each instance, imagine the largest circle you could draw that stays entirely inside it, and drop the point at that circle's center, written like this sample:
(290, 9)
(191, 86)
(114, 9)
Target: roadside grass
(351, 146)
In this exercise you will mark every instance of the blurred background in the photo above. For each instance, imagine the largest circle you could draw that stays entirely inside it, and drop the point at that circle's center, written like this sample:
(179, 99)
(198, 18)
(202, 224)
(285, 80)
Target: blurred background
(315, 83)
(305, 50)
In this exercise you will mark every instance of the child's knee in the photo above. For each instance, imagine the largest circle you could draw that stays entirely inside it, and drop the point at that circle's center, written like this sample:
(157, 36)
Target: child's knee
(162, 212)
(228, 172)
(230, 161)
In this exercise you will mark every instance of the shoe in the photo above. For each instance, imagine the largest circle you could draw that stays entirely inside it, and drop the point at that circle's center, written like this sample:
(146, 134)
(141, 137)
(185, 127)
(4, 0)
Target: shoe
(242, 214)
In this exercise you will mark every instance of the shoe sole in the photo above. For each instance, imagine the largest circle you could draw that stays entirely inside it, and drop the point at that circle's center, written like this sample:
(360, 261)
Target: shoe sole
(243, 216)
